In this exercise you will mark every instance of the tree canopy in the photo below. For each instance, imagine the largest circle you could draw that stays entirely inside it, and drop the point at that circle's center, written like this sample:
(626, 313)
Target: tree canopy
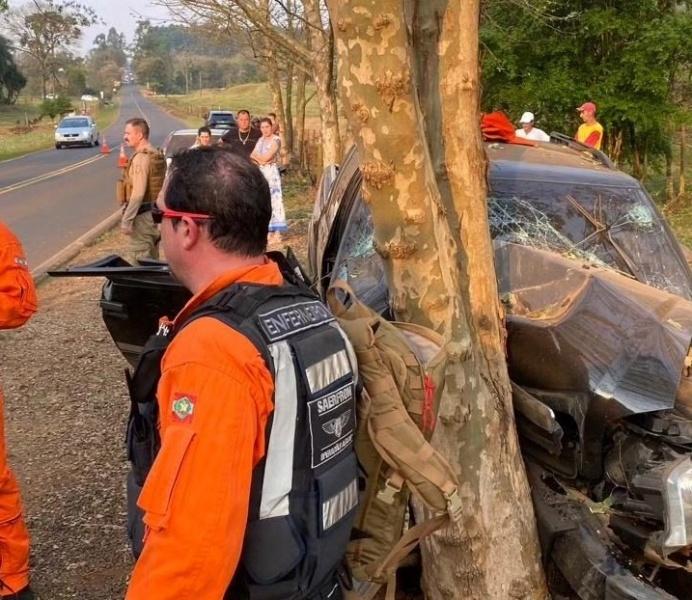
(630, 57)
(11, 79)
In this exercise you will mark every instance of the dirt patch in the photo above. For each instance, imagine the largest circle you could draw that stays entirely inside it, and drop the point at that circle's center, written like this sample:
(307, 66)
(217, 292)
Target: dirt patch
(66, 408)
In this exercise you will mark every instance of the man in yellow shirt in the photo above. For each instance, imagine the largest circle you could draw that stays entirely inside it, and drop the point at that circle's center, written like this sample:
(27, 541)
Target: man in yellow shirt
(590, 132)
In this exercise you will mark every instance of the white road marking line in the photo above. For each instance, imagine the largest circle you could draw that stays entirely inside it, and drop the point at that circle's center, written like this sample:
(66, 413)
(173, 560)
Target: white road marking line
(39, 178)
(139, 108)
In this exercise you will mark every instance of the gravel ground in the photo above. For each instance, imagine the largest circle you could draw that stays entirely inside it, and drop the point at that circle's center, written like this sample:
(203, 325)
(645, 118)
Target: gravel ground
(65, 412)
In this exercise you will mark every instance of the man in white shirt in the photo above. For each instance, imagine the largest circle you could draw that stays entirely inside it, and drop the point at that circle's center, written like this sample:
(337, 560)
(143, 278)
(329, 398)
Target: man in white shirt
(528, 131)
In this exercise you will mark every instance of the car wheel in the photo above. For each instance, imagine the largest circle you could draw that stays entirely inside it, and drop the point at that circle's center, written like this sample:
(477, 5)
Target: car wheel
(96, 143)
(58, 146)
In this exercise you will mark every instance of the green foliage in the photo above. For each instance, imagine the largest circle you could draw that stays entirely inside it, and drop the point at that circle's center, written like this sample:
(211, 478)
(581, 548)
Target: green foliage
(58, 106)
(175, 59)
(45, 30)
(106, 61)
(11, 79)
(631, 57)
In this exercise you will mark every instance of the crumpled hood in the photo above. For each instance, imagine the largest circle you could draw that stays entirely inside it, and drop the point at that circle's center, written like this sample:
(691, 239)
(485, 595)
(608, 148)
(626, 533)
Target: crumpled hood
(575, 327)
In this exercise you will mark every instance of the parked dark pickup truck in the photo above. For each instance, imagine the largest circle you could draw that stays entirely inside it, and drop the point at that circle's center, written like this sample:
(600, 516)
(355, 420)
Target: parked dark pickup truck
(599, 319)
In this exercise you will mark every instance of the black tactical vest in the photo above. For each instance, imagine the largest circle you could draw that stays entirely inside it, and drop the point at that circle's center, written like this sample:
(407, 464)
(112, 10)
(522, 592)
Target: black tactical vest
(305, 491)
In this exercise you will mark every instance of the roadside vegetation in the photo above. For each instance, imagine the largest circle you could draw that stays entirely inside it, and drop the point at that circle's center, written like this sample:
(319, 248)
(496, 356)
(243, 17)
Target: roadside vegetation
(255, 97)
(17, 138)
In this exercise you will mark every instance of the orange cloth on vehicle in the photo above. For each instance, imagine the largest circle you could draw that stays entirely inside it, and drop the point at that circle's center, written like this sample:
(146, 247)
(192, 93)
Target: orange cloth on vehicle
(17, 304)
(496, 127)
(214, 398)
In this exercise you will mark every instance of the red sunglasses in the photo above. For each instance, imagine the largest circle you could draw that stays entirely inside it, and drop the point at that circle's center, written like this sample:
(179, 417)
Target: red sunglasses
(158, 215)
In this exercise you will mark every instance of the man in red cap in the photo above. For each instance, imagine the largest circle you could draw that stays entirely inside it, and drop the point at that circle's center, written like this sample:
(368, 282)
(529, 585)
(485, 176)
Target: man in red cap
(590, 132)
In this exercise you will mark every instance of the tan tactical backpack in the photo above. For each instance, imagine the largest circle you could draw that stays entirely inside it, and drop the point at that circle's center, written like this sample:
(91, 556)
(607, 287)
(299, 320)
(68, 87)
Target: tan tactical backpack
(401, 367)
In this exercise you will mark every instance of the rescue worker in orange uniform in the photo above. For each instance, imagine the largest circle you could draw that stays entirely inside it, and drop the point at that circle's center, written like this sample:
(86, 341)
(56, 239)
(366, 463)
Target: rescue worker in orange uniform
(239, 446)
(17, 304)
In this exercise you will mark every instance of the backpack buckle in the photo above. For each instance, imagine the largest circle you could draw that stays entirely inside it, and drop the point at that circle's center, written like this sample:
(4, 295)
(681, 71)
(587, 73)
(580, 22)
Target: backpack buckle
(454, 505)
(387, 493)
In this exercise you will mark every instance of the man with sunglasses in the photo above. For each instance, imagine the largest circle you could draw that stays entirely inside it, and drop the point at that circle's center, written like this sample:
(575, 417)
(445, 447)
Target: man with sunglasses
(229, 434)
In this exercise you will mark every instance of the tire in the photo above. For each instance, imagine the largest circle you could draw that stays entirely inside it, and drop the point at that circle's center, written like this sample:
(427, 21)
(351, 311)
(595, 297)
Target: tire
(97, 143)
(58, 146)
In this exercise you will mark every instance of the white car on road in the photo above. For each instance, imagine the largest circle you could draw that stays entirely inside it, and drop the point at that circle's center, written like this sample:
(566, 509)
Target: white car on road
(76, 131)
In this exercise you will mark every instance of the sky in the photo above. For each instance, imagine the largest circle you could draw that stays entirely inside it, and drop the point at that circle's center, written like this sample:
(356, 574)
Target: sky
(121, 14)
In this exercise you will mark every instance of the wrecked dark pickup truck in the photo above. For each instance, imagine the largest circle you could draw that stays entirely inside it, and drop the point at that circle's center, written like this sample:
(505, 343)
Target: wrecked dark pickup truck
(599, 318)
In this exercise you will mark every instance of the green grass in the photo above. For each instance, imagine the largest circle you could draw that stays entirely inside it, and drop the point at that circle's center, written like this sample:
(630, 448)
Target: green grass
(680, 220)
(298, 196)
(40, 137)
(254, 97)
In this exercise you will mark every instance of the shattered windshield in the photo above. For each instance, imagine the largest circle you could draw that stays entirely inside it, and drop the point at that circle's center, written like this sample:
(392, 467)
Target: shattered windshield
(608, 226)
(616, 228)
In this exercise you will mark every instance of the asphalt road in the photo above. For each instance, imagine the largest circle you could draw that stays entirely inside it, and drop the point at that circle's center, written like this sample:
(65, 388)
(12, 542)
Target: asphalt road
(52, 197)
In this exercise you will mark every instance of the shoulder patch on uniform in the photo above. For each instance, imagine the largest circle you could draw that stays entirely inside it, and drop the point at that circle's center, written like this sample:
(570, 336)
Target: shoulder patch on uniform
(288, 320)
(183, 407)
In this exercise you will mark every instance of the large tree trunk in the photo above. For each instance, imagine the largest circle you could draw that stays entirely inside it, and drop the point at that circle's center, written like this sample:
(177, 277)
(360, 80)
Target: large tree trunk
(322, 45)
(272, 67)
(300, 119)
(499, 516)
(278, 103)
(438, 280)
(288, 105)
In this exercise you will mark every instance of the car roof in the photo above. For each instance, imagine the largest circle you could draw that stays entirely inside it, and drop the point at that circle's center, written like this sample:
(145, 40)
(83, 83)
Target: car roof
(221, 112)
(214, 131)
(553, 162)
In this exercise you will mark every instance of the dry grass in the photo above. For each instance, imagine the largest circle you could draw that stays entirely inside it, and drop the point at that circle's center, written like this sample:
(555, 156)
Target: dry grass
(254, 97)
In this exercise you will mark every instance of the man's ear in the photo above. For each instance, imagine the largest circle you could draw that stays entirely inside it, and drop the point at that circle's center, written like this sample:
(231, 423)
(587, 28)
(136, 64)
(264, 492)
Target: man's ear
(191, 233)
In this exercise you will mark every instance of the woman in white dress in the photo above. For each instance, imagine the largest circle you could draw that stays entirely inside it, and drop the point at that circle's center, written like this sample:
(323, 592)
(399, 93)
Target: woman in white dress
(266, 155)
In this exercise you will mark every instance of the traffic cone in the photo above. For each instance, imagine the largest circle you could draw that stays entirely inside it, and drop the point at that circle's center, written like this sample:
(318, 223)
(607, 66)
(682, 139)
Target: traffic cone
(105, 148)
(122, 158)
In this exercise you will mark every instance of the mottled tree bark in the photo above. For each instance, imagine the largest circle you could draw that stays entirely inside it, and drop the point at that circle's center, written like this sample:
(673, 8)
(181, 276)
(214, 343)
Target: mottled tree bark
(300, 119)
(289, 111)
(438, 258)
(321, 43)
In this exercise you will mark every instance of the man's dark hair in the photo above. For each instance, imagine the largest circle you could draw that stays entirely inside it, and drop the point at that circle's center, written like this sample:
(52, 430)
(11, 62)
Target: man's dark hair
(140, 124)
(203, 129)
(266, 120)
(243, 111)
(217, 182)
(273, 116)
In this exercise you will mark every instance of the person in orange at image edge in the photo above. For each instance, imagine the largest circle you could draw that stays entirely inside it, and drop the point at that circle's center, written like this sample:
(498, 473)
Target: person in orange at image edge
(228, 498)
(17, 304)
(590, 132)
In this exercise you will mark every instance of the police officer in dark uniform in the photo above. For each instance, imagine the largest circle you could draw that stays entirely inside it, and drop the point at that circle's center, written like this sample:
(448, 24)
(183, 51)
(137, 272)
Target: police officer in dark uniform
(243, 415)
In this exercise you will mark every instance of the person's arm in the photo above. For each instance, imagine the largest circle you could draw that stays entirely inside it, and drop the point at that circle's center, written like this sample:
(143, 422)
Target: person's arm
(594, 139)
(271, 152)
(196, 496)
(138, 176)
(255, 155)
(17, 291)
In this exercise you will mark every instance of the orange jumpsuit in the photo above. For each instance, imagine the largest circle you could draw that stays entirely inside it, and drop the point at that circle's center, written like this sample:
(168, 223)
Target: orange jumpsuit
(214, 397)
(17, 304)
